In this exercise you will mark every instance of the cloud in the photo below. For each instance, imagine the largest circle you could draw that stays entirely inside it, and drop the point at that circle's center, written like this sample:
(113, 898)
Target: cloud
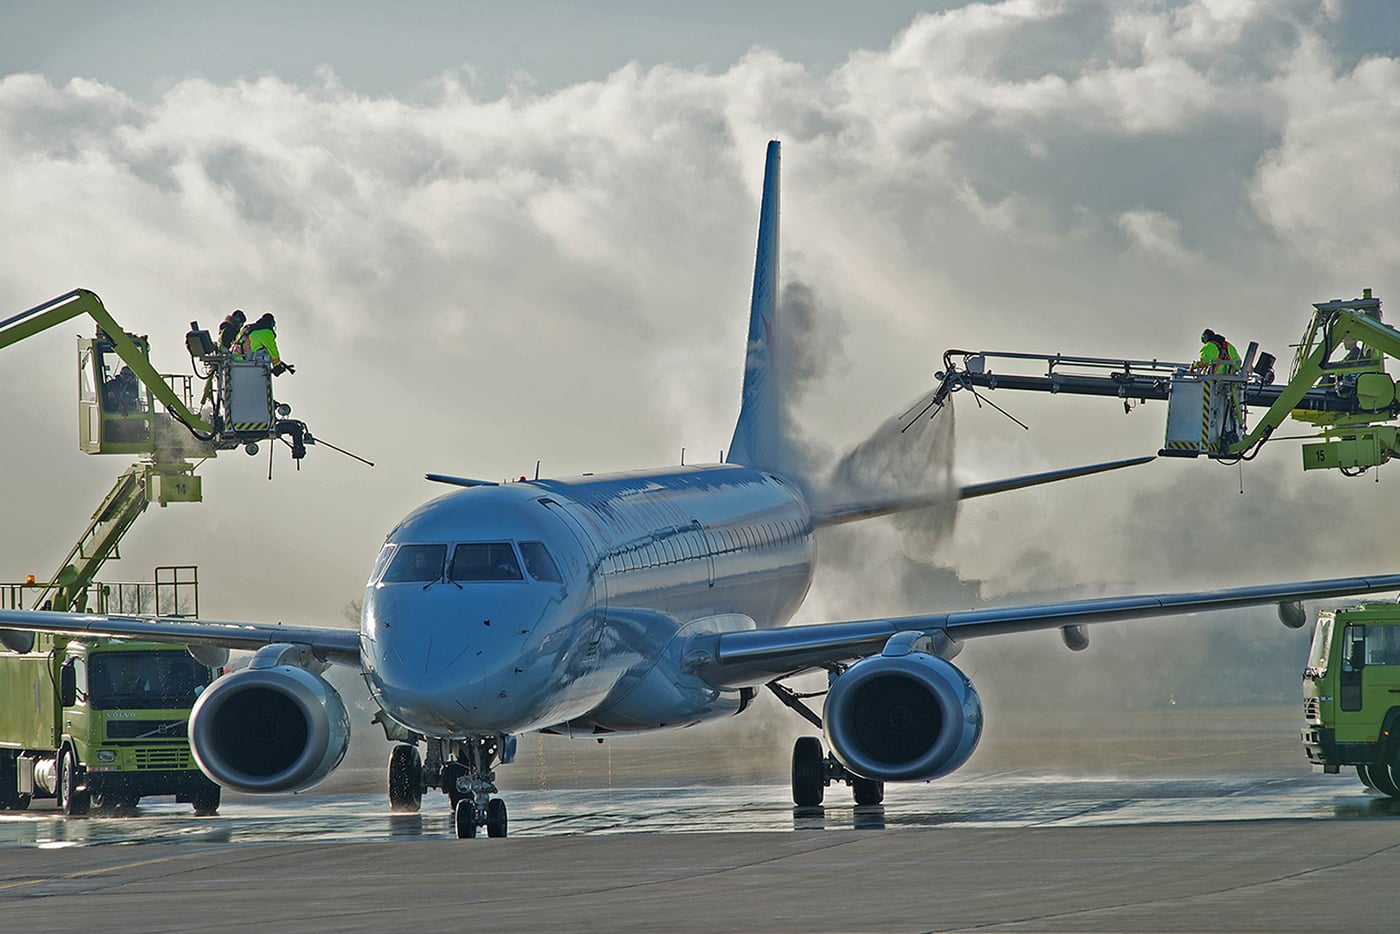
(1330, 187)
(1155, 233)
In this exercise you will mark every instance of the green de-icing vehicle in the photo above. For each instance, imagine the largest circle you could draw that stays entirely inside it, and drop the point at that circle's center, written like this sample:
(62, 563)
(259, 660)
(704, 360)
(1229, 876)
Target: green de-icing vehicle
(100, 723)
(1351, 694)
(103, 722)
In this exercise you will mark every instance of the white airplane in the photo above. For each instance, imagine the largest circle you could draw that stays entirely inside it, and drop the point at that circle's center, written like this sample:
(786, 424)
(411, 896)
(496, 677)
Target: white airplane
(623, 603)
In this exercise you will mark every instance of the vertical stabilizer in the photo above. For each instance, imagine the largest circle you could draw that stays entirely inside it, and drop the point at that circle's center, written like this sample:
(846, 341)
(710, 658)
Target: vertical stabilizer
(757, 436)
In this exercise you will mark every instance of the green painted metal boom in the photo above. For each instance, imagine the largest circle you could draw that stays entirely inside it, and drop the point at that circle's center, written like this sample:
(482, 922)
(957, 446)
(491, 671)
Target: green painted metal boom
(83, 302)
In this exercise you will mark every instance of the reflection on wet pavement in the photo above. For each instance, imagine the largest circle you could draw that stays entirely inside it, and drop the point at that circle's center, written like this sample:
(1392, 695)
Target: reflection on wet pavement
(976, 801)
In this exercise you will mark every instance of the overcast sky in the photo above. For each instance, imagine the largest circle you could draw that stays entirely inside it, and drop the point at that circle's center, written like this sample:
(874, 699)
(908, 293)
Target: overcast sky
(495, 234)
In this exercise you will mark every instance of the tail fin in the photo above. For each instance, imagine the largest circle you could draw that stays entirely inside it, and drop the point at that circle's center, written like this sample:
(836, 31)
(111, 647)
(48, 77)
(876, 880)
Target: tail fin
(757, 435)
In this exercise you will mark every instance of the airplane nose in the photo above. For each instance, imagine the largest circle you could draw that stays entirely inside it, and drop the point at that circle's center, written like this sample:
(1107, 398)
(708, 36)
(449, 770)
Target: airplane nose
(437, 675)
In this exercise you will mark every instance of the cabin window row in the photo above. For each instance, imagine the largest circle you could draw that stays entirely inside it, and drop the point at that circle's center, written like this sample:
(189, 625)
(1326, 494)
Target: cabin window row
(692, 543)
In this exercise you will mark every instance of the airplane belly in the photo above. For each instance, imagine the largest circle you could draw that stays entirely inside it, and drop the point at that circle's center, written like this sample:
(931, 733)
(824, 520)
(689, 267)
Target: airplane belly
(665, 697)
(658, 691)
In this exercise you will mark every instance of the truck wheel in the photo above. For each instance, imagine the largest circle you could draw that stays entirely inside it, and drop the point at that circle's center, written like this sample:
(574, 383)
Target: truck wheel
(1363, 772)
(70, 799)
(1382, 778)
(10, 798)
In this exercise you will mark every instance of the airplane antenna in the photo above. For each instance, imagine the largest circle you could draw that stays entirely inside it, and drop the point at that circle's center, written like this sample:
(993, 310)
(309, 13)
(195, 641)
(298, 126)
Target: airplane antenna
(537, 470)
(682, 457)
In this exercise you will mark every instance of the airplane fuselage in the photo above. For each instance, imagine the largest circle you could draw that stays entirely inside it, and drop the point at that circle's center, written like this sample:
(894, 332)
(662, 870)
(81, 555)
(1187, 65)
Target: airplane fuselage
(567, 603)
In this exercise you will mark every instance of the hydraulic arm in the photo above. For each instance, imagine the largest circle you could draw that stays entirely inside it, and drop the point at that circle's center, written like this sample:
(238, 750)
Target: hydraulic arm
(66, 591)
(117, 384)
(1350, 400)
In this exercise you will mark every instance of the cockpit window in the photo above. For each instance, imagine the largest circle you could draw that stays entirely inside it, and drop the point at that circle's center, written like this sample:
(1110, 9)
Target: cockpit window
(485, 561)
(381, 562)
(416, 563)
(538, 562)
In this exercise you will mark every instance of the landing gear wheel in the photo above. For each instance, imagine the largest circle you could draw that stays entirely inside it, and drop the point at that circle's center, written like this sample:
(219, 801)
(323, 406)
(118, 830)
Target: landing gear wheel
(1363, 772)
(450, 773)
(808, 772)
(206, 803)
(464, 817)
(868, 790)
(405, 779)
(70, 800)
(495, 818)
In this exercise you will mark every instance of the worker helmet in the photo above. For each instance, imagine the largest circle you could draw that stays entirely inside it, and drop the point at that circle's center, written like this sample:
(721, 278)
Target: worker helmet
(1207, 336)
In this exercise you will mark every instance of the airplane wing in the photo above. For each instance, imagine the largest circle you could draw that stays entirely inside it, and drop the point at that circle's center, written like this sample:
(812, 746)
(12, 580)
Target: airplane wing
(751, 656)
(851, 512)
(341, 646)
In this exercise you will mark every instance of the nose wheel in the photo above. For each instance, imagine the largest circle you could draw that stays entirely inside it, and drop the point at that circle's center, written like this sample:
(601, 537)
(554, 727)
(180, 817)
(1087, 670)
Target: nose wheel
(464, 817)
(468, 816)
(495, 818)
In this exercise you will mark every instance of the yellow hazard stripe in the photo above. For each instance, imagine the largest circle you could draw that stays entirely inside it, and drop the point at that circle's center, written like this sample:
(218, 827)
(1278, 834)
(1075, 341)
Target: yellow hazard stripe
(251, 426)
(1205, 415)
(1182, 446)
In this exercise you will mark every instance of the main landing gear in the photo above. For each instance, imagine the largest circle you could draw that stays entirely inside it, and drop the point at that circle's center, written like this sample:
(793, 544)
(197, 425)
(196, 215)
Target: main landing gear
(812, 768)
(812, 771)
(464, 771)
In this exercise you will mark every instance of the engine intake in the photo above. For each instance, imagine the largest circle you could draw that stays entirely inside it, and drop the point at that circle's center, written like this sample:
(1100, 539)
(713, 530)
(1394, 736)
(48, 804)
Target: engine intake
(269, 730)
(911, 717)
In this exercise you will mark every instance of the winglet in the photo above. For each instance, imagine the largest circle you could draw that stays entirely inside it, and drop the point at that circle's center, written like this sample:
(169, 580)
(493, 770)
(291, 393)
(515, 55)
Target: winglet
(757, 435)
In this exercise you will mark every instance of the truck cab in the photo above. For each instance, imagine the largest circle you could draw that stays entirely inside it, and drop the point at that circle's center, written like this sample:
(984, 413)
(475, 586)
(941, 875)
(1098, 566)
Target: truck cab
(1351, 694)
(100, 723)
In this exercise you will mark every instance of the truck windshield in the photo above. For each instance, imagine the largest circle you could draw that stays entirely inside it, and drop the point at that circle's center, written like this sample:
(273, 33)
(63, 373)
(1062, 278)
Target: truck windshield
(144, 680)
(1383, 645)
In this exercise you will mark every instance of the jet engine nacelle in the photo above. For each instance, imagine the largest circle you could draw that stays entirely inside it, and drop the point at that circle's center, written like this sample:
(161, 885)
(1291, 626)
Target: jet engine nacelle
(910, 717)
(269, 729)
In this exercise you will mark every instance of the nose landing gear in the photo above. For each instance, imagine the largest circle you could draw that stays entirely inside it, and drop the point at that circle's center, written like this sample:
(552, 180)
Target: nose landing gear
(467, 816)
(467, 777)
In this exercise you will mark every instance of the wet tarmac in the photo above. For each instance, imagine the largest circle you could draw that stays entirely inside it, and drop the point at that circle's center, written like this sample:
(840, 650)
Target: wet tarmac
(1007, 851)
(976, 801)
